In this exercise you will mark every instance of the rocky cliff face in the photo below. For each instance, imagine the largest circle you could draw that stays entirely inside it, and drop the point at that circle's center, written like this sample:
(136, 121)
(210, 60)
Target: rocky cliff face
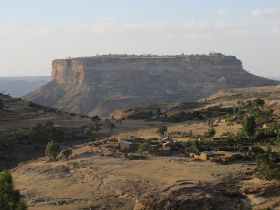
(98, 85)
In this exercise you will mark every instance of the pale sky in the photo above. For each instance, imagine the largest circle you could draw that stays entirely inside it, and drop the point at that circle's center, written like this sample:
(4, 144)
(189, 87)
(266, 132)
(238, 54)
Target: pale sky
(34, 32)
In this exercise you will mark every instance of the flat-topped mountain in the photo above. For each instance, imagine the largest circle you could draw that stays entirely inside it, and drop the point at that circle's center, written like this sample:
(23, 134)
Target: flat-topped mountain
(101, 84)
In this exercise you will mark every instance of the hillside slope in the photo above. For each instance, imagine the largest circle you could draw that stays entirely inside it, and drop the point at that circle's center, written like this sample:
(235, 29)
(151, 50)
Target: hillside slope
(230, 97)
(101, 84)
(26, 127)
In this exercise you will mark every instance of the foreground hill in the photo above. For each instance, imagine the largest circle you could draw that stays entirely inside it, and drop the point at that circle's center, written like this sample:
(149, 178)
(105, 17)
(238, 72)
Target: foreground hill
(101, 84)
(91, 181)
(25, 128)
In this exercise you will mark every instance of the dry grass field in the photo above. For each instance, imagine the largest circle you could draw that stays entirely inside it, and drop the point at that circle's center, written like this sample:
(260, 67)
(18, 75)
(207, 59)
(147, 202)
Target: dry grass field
(91, 181)
(140, 128)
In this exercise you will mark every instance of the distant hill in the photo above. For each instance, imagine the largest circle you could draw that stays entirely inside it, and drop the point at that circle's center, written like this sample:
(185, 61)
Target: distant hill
(19, 86)
(101, 84)
(230, 97)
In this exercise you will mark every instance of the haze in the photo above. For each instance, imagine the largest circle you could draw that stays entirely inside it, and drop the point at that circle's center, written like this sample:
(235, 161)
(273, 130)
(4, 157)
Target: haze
(33, 33)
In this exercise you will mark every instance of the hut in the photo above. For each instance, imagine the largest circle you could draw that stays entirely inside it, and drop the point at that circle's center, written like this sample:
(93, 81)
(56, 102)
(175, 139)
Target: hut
(128, 145)
(205, 155)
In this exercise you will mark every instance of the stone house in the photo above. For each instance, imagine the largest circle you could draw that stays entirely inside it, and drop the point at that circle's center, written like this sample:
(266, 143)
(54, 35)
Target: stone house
(128, 145)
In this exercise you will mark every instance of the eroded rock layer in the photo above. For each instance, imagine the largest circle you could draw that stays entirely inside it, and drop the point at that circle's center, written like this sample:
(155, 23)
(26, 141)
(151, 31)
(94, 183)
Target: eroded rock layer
(101, 84)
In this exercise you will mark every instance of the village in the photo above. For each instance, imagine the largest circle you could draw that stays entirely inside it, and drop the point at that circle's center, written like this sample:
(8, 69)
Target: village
(141, 148)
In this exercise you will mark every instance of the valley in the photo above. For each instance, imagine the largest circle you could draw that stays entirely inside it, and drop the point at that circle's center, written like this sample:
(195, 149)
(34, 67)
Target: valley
(103, 173)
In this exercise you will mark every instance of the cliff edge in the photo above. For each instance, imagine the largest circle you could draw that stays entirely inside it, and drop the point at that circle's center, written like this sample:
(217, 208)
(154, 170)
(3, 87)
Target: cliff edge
(101, 84)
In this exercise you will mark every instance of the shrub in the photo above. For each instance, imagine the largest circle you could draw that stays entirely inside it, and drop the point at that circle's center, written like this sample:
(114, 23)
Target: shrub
(52, 150)
(192, 146)
(161, 130)
(143, 147)
(10, 199)
(211, 132)
(67, 153)
(267, 167)
(249, 126)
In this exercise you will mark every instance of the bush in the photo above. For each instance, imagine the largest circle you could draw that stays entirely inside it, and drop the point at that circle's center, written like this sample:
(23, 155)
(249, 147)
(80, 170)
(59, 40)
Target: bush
(211, 132)
(249, 126)
(161, 130)
(143, 147)
(67, 153)
(192, 146)
(267, 167)
(52, 150)
(10, 199)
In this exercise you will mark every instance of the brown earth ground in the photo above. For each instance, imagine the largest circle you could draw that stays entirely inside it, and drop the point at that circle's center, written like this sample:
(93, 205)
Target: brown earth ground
(91, 181)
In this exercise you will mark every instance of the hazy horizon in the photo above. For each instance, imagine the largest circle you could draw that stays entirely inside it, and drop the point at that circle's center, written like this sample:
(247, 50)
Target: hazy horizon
(33, 33)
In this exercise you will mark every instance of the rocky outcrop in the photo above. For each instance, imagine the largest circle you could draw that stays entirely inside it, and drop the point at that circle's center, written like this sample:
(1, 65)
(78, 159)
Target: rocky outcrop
(100, 84)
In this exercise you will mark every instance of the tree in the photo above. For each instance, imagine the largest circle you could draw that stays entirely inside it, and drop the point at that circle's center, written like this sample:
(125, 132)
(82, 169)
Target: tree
(143, 147)
(161, 130)
(52, 150)
(211, 132)
(10, 199)
(249, 126)
(67, 153)
(192, 146)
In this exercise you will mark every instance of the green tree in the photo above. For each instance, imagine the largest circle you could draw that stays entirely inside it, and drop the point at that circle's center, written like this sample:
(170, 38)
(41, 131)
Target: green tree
(249, 126)
(143, 147)
(211, 132)
(192, 146)
(162, 130)
(52, 150)
(10, 199)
